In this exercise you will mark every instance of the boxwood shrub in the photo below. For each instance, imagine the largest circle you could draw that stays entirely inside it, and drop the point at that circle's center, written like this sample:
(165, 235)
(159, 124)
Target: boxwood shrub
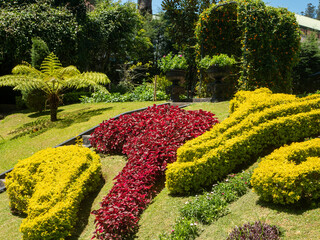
(289, 174)
(200, 165)
(49, 186)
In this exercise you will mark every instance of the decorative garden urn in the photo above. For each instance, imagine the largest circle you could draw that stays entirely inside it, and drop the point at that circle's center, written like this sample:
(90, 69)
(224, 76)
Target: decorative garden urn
(177, 77)
(218, 74)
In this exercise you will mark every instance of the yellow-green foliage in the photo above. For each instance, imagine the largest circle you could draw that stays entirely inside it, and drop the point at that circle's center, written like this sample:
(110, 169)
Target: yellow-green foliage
(49, 186)
(262, 121)
(289, 174)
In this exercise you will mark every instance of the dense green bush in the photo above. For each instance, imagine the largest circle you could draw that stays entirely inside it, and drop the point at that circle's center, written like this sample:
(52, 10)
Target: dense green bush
(309, 63)
(112, 34)
(19, 24)
(220, 152)
(289, 174)
(264, 38)
(143, 92)
(39, 51)
(74, 97)
(49, 186)
(35, 100)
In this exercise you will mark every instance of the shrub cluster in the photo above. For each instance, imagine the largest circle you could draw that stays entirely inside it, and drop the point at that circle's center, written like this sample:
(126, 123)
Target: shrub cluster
(49, 186)
(295, 177)
(150, 139)
(265, 39)
(255, 231)
(240, 141)
(143, 92)
(209, 206)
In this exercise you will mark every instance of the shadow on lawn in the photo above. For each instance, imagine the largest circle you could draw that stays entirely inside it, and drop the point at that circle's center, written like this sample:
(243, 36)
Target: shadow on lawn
(65, 120)
(84, 212)
(294, 209)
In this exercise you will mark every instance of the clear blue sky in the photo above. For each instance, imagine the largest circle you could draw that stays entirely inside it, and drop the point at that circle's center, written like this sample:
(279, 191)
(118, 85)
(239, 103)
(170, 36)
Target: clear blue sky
(295, 6)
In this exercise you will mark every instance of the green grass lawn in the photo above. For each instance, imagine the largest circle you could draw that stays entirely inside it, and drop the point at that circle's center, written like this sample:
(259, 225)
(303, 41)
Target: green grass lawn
(73, 119)
(297, 223)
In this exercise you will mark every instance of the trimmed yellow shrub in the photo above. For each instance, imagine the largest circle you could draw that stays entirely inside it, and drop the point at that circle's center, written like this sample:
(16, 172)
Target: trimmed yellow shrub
(280, 118)
(289, 174)
(248, 108)
(245, 96)
(49, 186)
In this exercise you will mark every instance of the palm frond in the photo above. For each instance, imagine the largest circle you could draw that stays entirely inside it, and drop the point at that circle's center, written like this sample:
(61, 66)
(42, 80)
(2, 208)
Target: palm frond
(89, 79)
(50, 64)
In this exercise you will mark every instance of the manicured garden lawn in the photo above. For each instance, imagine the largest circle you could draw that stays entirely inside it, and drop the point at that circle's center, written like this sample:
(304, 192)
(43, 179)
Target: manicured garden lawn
(159, 217)
(74, 119)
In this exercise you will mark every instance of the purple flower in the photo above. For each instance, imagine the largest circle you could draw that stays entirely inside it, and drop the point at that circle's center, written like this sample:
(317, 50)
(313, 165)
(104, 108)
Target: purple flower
(180, 55)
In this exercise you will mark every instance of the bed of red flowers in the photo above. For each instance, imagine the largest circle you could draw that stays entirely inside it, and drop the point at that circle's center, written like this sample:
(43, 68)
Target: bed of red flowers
(150, 139)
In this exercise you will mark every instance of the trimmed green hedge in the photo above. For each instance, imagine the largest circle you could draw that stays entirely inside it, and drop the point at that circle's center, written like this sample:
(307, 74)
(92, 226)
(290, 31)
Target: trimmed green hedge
(223, 148)
(49, 186)
(289, 174)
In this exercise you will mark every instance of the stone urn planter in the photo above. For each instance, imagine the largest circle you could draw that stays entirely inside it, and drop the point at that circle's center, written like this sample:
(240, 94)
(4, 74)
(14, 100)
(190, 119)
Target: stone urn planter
(177, 77)
(217, 74)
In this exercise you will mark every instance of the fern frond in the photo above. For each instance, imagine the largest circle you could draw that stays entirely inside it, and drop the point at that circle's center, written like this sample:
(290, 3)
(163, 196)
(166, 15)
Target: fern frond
(67, 72)
(26, 69)
(89, 79)
(21, 82)
(50, 64)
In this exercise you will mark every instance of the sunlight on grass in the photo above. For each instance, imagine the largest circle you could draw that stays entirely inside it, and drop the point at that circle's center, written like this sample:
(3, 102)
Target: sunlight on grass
(78, 118)
(220, 109)
(298, 223)
(160, 216)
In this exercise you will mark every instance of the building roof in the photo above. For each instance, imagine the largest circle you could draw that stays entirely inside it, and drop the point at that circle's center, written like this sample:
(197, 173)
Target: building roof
(307, 22)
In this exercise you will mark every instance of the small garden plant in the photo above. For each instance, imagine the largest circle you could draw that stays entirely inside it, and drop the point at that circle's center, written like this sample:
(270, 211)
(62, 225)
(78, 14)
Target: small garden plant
(255, 231)
(171, 62)
(208, 206)
(150, 140)
(221, 60)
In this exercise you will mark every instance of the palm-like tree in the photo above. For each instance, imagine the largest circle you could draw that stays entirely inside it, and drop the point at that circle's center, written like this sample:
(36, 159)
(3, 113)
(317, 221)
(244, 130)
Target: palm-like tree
(52, 79)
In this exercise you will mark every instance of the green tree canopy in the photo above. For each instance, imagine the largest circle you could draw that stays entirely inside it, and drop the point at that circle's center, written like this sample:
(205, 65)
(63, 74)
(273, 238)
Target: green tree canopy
(20, 23)
(113, 34)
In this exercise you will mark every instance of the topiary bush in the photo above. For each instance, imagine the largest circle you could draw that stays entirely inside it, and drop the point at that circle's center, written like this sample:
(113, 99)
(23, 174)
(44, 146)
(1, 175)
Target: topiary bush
(49, 186)
(289, 174)
(239, 141)
(266, 40)
(255, 231)
(150, 139)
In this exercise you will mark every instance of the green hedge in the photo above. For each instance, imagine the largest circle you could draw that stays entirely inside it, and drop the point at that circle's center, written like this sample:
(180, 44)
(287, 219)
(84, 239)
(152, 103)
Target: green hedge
(200, 165)
(49, 186)
(289, 174)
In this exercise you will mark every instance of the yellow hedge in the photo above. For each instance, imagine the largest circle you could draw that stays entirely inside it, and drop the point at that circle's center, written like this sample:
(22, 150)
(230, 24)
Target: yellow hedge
(280, 119)
(256, 103)
(49, 186)
(289, 174)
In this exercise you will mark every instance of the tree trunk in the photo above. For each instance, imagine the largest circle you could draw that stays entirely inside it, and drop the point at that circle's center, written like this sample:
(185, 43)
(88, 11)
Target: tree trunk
(53, 103)
(145, 6)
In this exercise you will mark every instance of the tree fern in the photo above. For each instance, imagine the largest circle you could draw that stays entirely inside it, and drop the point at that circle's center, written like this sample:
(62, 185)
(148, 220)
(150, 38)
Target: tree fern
(52, 79)
(50, 65)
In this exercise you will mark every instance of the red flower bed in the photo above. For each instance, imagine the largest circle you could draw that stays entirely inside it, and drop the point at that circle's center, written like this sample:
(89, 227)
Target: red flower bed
(150, 139)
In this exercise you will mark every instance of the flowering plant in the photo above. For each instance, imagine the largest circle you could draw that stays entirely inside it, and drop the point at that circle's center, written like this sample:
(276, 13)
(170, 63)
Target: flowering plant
(150, 139)
(221, 60)
(170, 62)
